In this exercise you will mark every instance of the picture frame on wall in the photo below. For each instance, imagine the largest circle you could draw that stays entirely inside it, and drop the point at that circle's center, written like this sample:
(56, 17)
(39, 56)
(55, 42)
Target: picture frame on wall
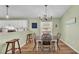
(34, 25)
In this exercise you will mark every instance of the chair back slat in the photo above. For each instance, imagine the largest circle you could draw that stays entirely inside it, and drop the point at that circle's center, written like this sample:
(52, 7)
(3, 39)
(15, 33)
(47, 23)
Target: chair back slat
(58, 35)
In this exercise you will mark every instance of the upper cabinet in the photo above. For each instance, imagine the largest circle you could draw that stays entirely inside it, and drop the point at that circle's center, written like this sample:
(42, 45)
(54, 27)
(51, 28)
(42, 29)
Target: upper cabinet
(13, 25)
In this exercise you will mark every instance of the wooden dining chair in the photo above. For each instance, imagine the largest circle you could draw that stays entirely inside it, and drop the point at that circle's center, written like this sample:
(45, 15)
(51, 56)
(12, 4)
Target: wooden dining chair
(58, 39)
(55, 42)
(34, 35)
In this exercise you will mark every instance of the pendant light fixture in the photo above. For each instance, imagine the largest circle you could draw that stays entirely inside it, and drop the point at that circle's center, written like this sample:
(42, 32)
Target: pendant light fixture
(7, 16)
(45, 16)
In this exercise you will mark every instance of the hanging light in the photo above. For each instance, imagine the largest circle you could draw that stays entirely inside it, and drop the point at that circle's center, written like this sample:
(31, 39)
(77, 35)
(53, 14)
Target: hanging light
(45, 16)
(7, 16)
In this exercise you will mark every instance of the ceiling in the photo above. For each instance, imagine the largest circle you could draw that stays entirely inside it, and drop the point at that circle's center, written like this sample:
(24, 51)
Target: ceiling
(33, 10)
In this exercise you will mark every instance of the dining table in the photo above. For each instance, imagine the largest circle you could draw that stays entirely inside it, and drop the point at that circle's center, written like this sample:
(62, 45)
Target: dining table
(39, 43)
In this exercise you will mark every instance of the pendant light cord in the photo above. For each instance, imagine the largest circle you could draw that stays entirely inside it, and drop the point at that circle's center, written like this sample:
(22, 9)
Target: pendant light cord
(46, 10)
(7, 9)
(45, 16)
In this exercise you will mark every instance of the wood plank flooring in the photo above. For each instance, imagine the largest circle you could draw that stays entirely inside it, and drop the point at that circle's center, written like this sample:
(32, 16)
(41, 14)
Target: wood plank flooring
(64, 49)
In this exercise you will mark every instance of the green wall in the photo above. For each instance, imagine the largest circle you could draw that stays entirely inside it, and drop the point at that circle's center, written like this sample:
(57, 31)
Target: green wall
(70, 32)
(35, 30)
(56, 21)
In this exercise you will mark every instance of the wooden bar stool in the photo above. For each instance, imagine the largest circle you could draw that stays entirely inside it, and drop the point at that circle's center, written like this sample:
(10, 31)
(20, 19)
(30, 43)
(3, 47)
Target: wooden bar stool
(13, 46)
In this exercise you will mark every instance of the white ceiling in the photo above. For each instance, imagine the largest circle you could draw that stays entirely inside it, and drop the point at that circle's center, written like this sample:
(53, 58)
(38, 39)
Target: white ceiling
(33, 10)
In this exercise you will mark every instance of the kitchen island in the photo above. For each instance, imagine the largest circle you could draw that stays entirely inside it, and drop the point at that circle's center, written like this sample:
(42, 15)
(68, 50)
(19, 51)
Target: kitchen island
(6, 36)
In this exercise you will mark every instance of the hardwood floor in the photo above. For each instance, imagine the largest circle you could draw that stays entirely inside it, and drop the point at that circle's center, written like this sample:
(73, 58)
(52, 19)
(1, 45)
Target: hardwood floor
(64, 49)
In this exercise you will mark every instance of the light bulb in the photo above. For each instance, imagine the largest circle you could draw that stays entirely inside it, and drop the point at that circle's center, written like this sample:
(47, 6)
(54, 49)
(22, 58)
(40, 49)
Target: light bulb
(7, 16)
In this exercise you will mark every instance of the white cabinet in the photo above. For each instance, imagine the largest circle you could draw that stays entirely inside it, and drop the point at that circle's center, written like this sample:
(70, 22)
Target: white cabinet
(46, 27)
(18, 25)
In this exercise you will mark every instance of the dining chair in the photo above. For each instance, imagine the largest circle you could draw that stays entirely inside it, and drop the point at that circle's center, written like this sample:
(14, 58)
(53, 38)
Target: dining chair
(58, 39)
(34, 35)
(46, 42)
(55, 42)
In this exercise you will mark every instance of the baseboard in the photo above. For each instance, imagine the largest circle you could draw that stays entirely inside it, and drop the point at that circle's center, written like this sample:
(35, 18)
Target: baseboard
(70, 46)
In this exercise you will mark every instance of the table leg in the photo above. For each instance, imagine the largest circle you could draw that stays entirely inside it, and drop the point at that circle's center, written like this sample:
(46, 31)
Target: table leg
(13, 48)
(19, 46)
(7, 48)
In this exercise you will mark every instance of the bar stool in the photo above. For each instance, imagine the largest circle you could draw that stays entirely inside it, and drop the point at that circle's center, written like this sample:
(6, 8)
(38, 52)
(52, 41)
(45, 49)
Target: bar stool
(13, 46)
